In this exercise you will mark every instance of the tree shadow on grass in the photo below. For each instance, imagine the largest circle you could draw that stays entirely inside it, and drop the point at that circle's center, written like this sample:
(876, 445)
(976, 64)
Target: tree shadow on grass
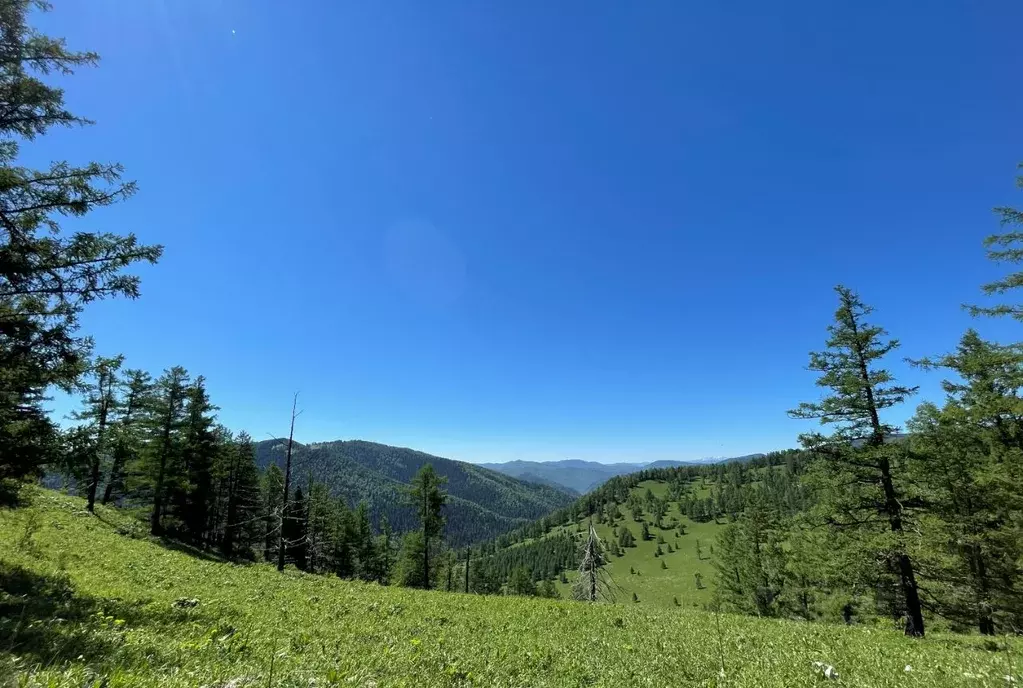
(45, 621)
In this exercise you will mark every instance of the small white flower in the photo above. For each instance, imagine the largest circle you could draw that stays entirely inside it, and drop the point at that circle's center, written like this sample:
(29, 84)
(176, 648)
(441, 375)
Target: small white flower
(908, 668)
(826, 670)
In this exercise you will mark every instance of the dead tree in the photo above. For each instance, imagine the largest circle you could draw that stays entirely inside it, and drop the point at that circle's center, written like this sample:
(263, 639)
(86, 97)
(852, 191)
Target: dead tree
(287, 487)
(594, 583)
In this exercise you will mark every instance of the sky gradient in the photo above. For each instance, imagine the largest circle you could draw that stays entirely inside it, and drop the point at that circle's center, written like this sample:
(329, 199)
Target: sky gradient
(526, 230)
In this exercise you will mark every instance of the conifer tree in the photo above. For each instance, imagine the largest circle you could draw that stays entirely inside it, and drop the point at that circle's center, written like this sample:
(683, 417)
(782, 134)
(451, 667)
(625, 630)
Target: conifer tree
(99, 413)
(47, 275)
(199, 452)
(135, 400)
(967, 462)
(1006, 247)
(272, 483)
(863, 489)
(428, 498)
(365, 548)
(243, 502)
(166, 418)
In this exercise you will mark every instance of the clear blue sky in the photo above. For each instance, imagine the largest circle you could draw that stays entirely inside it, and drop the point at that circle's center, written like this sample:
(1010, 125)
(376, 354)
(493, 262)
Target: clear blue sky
(599, 230)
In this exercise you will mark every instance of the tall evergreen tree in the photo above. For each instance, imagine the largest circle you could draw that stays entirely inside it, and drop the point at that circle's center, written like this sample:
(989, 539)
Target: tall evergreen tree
(166, 418)
(98, 414)
(241, 494)
(427, 496)
(967, 461)
(863, 486)
(273, 504)
(135, 397)
(1005, 247)
(199, 452)
(47, 276)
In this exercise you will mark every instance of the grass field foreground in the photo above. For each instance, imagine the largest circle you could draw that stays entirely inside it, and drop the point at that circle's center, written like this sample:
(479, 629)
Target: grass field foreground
(91, 601)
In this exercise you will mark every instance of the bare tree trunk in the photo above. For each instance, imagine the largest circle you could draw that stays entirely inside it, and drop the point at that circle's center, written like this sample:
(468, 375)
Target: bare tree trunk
(287, 486)
(467, 552)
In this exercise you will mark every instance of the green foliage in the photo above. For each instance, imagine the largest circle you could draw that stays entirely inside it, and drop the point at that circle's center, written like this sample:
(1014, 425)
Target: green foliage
(47, 275)
(1005, 248)
(858, 475)
(521, 583)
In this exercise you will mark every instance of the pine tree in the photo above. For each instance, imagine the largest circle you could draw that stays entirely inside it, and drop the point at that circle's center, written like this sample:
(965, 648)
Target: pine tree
(166, 418)
(294, 527)
(966, 462)
(322, 518)
(861, 478)
(136, 398)
(1006, 247)
(47, 276)
(428, 498)
(521, 583)
(365, 549)
(626, 538)
(199, 452)
(645, 532)
(241, 494)
(100, 409)
(384, 555)
(272, 484)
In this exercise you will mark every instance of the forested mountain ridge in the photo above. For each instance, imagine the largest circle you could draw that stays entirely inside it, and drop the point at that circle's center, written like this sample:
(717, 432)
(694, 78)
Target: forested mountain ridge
(582, 476)
(574, 474)
(481, 503)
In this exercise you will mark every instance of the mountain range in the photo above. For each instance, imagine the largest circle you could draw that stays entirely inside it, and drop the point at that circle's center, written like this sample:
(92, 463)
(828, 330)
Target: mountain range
(482, 503)
(576, 475)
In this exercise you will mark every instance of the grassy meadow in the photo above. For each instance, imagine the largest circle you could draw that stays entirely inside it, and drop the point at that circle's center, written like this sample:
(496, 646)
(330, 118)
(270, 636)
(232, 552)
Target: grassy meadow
(652, 584)
(91, 601)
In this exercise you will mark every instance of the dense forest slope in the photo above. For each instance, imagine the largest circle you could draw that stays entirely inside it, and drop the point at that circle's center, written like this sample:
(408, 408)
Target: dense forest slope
(91, 600)
(481, 503)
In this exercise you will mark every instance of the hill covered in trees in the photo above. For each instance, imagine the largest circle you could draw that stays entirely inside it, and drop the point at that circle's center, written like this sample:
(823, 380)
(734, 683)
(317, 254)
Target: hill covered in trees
(481, 503)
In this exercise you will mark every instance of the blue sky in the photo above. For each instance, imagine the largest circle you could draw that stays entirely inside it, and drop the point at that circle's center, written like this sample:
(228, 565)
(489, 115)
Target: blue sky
(535, 230)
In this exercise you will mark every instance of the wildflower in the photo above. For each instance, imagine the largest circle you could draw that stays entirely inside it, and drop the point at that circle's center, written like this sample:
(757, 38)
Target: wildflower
(826, 670)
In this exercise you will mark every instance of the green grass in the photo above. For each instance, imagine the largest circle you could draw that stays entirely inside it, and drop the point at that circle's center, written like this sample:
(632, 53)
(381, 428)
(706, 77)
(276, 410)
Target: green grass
(652, 584)
(90, 601)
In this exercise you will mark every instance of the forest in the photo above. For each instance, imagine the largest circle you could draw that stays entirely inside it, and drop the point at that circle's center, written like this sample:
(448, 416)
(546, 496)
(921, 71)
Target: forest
(863, 521)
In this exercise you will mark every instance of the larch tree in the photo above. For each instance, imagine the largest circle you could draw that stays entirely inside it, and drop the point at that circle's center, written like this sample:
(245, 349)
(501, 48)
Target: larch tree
(135, 397)
(199, 452)
(166, 417)
(427, 496)
(856, 459)
(967, 462)
(99, 413)
(1005, 247)
(47, 275)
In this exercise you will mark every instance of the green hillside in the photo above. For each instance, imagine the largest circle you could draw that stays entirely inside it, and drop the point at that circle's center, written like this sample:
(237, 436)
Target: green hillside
(481, 503)
(638, 570)
(89, 601)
